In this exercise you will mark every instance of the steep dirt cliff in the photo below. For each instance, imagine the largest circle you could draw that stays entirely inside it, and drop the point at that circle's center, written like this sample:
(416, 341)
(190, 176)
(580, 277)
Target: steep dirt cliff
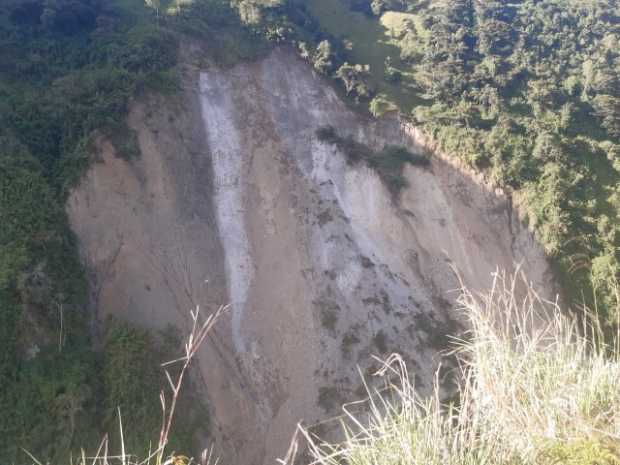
(234, 200)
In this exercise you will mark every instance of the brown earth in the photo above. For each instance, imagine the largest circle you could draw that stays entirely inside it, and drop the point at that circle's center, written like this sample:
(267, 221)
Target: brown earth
(234, 200)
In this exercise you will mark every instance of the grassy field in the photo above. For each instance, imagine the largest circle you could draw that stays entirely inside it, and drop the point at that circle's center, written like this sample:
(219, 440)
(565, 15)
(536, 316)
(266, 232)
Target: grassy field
(368, 42)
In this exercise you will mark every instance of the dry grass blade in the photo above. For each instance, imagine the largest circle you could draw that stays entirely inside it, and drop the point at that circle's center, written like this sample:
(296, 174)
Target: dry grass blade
(196, 337)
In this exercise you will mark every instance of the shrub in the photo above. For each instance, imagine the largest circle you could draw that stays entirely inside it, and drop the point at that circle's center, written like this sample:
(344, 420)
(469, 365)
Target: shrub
(131, 383)
(323, 59)
(388, 163)
(380, 106)
(327, 134)
(356, 80)
(130, 366)
(397, 155)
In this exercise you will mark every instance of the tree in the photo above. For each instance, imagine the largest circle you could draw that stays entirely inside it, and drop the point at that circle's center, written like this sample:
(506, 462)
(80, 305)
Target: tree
(547, 202)
(379, 6)
(154, 4)
(250, 11)
(355, 80)
(323, 60)
(607, 108)
(606, 280)
(379, 106)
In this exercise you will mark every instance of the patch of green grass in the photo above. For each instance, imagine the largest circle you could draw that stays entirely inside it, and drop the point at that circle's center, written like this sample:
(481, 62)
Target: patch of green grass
(581, 452)
(367, 41)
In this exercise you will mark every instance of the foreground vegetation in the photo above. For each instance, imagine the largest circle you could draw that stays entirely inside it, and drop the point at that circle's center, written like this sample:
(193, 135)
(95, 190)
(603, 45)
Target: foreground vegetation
(539, 388)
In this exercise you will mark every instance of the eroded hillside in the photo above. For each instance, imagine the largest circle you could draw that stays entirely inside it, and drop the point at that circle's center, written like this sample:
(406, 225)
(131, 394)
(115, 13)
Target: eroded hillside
(235, 200)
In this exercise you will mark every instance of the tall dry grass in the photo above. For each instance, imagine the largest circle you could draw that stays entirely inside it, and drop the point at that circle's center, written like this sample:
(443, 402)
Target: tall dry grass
(538, 387)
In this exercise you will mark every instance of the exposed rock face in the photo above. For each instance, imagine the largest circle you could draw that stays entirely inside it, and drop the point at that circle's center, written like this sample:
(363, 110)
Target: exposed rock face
(235, 200)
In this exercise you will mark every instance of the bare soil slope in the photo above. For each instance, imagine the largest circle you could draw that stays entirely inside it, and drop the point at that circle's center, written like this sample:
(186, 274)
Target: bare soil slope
(234, 200)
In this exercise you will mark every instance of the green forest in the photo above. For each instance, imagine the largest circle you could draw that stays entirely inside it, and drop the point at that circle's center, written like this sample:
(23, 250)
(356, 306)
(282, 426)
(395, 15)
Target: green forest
(527, 92)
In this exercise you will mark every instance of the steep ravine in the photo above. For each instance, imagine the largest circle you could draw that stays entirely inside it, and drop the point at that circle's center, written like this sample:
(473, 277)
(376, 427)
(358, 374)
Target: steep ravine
(235, 200)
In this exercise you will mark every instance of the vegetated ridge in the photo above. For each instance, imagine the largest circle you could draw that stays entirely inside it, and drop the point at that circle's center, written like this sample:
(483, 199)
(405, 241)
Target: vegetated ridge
(68, 72)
